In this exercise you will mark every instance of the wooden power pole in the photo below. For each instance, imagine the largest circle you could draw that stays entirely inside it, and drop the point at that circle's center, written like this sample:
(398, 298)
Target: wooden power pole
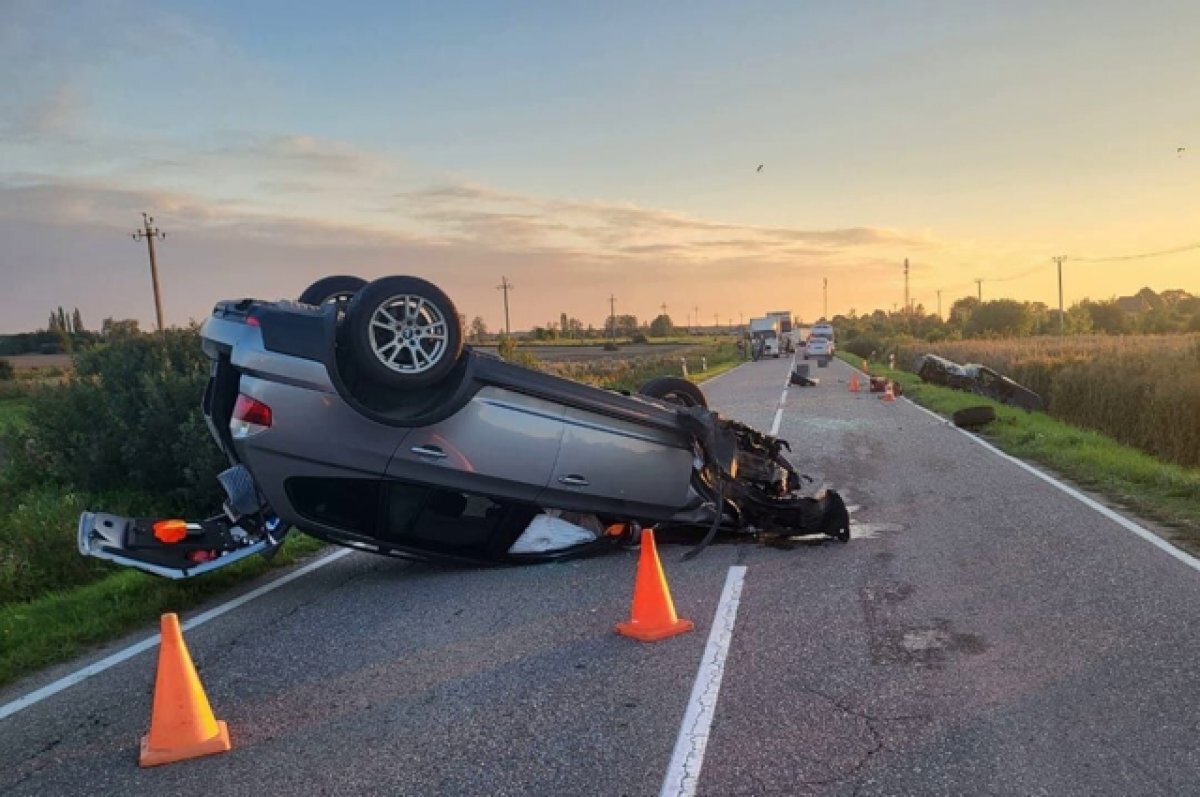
(1062, 319)
(505, 286)
(149, 233)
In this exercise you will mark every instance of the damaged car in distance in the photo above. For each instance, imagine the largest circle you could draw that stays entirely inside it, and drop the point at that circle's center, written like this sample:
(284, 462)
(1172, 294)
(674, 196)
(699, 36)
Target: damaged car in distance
(978, 379)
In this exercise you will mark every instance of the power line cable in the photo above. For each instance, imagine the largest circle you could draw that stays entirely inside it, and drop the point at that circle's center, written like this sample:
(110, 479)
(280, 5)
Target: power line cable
(1142, 256)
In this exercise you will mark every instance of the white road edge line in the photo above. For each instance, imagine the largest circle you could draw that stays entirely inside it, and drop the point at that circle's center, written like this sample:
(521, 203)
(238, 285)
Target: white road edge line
(67, 681)
(1116, 517)
(683, 773)
(718, 376)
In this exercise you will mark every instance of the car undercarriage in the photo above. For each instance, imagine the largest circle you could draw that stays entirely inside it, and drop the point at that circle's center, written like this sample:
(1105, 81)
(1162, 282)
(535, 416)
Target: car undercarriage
(403, 447)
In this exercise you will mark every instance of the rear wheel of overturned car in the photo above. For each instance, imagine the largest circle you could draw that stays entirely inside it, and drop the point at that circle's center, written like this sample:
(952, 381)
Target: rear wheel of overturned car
(972, 417)
(404, 332)
(675, 390)
(339, 289)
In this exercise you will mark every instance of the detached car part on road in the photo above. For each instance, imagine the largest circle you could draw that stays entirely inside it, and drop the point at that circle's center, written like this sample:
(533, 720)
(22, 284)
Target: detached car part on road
(978, 379)
(359, 417)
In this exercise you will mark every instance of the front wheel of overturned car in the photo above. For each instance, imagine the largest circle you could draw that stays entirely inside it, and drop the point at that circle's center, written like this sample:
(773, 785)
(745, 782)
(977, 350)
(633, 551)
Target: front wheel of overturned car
(676, 391)
(339, 289)
(404, 332)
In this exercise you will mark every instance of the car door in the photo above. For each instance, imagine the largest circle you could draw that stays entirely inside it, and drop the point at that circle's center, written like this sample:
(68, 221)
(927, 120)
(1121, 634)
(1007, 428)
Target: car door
(502, 444)
(606, 464)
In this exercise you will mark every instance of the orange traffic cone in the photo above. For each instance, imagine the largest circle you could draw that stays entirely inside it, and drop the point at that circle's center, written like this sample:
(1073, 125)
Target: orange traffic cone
(653, 611)
(182, 725)
(889, 394)
(854, 387)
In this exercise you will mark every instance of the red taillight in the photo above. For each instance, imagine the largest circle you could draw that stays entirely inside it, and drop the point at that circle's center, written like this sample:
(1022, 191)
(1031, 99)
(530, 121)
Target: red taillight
(252, 321)
(251, 411)
(250, 416)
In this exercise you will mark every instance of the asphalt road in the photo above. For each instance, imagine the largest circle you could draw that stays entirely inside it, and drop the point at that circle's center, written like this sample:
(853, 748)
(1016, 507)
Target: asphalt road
(981, 633)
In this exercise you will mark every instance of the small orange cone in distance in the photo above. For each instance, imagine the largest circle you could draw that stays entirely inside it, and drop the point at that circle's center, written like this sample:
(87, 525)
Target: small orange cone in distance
(653, 611)
(854, 387)
(182, 725)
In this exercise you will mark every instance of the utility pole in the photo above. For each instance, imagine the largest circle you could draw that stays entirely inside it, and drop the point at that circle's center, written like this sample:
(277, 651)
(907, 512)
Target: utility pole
(1062, 319)
(979, 285)
(664, 307)
(696, 309)
(612, 317)
(939, 293)
(148, 233)
(906, 304)
(716, 321)
(505, 286)
(825, 290)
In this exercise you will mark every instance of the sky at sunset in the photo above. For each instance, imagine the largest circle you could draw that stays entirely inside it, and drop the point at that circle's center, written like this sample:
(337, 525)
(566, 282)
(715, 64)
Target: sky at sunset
(589, 149)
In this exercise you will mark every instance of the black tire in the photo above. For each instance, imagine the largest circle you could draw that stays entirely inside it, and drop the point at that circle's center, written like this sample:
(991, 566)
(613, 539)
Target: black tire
(329, 289)
(971, 417)
(427, 336)
(676, 391)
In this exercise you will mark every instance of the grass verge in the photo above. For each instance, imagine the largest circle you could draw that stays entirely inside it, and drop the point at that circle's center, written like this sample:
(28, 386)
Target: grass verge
(61, 625)
(1159, 491)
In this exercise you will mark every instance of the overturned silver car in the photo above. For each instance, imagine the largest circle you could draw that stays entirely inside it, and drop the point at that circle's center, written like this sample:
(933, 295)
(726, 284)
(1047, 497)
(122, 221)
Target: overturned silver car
(358, 416)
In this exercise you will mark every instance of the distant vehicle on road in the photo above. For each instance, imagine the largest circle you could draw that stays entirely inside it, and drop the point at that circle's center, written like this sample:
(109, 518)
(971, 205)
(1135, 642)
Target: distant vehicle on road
(817, 348)
(787, 342)
(764, 336)
(825, 331)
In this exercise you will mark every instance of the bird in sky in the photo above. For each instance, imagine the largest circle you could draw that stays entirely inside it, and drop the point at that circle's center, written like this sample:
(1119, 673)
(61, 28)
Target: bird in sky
(1178, 152)
(759, 169)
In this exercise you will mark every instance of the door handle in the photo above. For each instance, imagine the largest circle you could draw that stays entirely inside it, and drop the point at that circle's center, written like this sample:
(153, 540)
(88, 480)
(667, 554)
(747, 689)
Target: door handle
(573, 480)
(433, 452)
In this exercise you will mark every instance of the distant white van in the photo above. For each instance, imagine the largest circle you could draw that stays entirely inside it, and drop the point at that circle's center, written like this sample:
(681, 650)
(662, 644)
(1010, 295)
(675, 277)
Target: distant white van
(823, 331)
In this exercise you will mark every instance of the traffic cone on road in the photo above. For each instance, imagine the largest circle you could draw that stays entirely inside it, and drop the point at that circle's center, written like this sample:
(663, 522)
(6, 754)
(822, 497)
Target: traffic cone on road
(854, 386)
(653, 617)
(182, 724)
(889, 393)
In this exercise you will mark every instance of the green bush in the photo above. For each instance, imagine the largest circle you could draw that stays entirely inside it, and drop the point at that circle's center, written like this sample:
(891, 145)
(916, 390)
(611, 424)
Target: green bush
(7, 372)
(37, 541)
(129, 419)
(865, 345)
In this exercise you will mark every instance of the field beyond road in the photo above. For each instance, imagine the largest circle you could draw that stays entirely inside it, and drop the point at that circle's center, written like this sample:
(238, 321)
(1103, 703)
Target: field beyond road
(30, 362)
(586, 353)
(982, 632)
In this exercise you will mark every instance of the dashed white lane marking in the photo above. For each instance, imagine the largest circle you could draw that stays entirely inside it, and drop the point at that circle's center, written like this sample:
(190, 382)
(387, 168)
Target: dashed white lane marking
(1121, 520)
(775, 423)
(683, 773)
(67, 681)
(782, 399)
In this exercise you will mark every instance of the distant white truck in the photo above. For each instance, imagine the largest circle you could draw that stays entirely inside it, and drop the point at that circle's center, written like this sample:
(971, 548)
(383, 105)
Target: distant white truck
(764, 336)
(787, 339)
